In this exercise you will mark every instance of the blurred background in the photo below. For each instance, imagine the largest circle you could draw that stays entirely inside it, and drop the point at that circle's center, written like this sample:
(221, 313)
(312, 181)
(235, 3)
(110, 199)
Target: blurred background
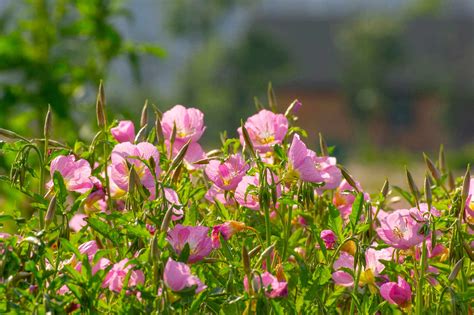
(383, 81)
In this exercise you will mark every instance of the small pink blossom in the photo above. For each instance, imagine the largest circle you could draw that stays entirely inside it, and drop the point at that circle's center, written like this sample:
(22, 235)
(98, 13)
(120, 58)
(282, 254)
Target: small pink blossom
(215, 193)
(189, 123)
(247, 198)
(177, 276)
(125, 154)
(269, 283)
(76, 174)
(344, 197)
(301, 163)
(400, 230)
(227, 230)
(398, 293)
(116, 276)
(124, 132)
(227, 175)
(77, 222)
(265, 130)
(329, 238)
(196, 237)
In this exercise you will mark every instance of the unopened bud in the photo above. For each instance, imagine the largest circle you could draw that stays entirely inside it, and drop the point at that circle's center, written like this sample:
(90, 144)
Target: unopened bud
(246, 260)
(385, 188)
(144, 116)
(48, 218)
(413, 188)
(442, 160)
(100, 107)
(428, 193)
(455, 270)
(254, 251)
(166, 220)
(248, 142)
(323, 146)
(141, 134)
(158, 129)
(271, 98)
(432, 168)
(466, 184)
(48, 123)
(348, 178)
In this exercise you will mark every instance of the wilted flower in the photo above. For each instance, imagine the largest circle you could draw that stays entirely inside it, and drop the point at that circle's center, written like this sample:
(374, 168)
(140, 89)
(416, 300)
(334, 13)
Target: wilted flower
(400, 229)
(329, 238)
(200, 244)
(269, 283)
(76, 174)
(265, 130)
(126, 153)
(398, 293)
(227, 175)
(189, 123)
(124, 132)
(116, 276)
(178, 277)
(226, 229)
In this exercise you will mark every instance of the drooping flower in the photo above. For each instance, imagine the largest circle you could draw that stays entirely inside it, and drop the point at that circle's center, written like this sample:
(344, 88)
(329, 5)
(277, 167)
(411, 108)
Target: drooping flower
(189, 123)
(124, 132)
(398, 293)
(178, 277)
(125, 154)
(329, 238)
(265, 130)
(76, 174)
(269, 283)
(248, 198)
(226, 229)
(301, 163)
(227, 175)
(200, 244)
(116, 276)
(400, 229)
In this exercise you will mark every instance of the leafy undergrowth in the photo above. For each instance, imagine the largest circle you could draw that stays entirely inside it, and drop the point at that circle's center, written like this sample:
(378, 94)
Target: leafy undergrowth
(147, 222)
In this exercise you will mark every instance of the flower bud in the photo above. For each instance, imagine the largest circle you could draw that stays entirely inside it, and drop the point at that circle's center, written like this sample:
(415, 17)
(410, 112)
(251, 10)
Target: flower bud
(144, 116)
(47, 123)
(48, 218)
(100, 107)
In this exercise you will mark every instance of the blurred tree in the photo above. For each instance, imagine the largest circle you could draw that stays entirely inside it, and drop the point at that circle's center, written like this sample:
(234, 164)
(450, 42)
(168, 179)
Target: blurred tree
(53, 52)
(222, 79)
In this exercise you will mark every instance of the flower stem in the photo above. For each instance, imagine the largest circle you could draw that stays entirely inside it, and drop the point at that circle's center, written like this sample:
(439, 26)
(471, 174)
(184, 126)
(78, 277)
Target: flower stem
(419, 288)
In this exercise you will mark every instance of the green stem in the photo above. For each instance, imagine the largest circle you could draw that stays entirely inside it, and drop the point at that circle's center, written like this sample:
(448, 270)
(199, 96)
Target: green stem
(287, 233)
(356, 280)
(268, 235)
(419, 287)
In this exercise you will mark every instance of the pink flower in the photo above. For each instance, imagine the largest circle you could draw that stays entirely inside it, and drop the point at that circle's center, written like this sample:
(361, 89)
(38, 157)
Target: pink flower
(269, 283)
(329, 238)
(172, 197)
(177, 277)
(227, 175)
(397, 293)
(77, 222)
(126, 152)
(215, 193)
(247, 197)
(76, 174)
(265, 130)
(196, 237)
(301, 163)
(469, 209)
(96, 201)
(344, 197)
(373, 267)
(189, 123)
(226, 229)
(400, 230)
(193, 154)
(116, 276)
(331, 175)
(124, 132)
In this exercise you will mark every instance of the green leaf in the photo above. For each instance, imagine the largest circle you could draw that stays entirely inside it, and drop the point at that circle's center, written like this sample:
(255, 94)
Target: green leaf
(104, 229)
(184, 256)
(357, 207)
(335, 221)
